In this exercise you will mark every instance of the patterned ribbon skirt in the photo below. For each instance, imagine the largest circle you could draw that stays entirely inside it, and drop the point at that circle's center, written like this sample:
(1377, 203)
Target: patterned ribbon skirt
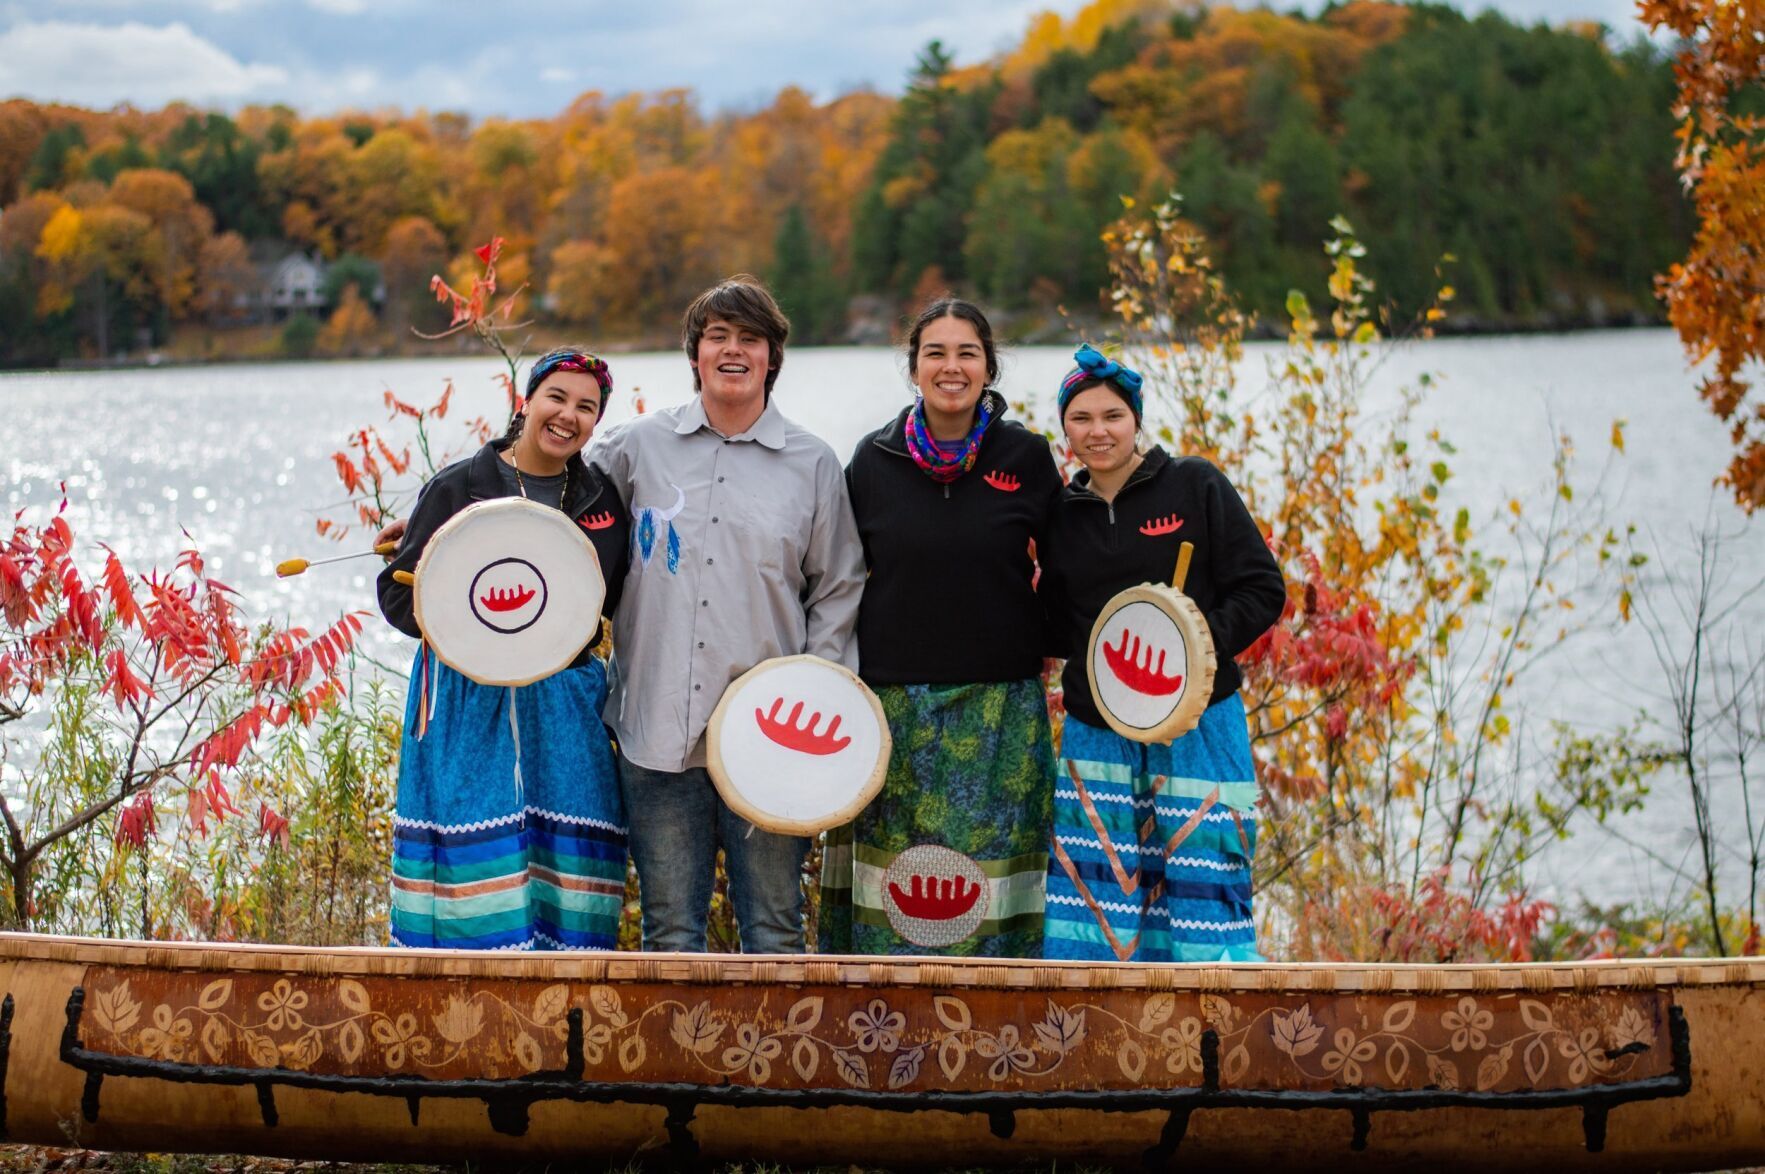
(950, 856)
(487, 859)
(1153, 844)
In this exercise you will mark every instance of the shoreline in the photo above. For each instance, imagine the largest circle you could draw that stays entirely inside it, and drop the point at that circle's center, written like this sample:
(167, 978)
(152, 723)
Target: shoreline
(653, 344)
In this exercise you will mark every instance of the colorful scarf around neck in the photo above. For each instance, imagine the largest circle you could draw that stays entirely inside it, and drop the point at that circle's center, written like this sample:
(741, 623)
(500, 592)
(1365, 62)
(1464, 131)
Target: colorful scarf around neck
(945, 461)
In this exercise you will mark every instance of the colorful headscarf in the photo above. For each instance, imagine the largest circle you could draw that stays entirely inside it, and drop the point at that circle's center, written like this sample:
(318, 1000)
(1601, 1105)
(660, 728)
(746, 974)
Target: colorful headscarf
(945, 461)
(570, 359)
(1093, 365)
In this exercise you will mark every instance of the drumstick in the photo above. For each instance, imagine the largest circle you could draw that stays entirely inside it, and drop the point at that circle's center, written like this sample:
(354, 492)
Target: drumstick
(1184, 553)
(288, 568)
(405, 577)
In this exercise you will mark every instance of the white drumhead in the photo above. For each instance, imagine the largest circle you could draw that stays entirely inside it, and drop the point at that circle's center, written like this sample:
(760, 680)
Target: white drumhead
(1151, 663)
(797, 745)
(509, 591)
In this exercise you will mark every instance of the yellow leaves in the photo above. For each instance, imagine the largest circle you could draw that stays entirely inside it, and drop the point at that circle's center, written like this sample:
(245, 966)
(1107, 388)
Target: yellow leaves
(898, 193)
(1618, 426)
(64, 237)
(1342, 279)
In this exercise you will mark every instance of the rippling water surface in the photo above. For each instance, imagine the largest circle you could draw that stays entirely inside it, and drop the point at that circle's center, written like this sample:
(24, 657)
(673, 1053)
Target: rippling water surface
(238, 458)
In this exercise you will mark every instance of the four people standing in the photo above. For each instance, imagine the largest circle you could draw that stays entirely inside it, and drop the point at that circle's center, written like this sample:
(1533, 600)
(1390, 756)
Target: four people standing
(745, 543)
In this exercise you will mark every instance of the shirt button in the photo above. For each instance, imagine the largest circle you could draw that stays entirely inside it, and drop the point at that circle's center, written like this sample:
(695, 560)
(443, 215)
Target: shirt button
(713, 519)
(719, 480)
(704, 603)
(709, 561)
(701, 643)
(695, 688)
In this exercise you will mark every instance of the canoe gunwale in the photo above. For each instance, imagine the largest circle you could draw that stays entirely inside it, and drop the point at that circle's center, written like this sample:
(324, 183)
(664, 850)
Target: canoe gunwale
(900, 972)
(509, 1100)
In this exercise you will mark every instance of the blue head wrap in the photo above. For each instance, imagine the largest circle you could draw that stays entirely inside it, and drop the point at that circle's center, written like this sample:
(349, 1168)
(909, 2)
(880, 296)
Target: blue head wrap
(1094, 366)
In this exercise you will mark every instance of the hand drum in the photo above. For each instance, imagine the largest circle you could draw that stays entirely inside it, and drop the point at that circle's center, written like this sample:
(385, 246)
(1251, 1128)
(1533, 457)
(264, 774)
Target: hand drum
(798, 745)
(509, 591)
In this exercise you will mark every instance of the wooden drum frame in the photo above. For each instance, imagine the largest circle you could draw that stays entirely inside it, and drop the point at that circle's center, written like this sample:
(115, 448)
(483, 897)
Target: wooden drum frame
(786, 748)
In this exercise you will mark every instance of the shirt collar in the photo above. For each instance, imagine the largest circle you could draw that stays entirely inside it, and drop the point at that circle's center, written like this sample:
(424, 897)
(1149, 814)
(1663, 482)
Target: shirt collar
(768, 430)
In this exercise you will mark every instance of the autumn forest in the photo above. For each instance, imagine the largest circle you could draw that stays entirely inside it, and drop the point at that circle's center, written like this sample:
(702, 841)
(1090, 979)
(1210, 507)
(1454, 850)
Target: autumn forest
(1531, 168)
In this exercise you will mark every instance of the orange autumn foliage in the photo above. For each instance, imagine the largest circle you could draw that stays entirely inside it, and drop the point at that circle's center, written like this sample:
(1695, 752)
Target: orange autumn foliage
(1716, 295)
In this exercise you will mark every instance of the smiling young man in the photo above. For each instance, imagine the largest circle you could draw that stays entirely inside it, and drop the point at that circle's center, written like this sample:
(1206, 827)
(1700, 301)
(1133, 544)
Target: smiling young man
(743, 548)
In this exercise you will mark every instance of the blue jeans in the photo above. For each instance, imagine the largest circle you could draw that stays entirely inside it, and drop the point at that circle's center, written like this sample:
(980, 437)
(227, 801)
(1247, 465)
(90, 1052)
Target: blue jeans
(677, 822)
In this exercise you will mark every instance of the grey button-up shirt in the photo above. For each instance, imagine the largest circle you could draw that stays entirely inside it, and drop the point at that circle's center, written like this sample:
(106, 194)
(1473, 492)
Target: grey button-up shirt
(742, 548)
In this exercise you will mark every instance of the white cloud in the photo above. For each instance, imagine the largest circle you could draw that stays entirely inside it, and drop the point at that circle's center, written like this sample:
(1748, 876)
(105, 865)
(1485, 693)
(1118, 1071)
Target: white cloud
(340, 7)
(557, 74)
(95, 65)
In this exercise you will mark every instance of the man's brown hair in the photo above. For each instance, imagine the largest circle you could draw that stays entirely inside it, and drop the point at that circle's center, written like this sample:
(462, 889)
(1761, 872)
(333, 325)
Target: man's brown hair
(744, 302)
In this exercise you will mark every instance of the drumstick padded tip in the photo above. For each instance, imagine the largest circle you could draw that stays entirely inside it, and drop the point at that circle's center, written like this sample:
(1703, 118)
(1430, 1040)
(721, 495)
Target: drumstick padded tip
(405, 577)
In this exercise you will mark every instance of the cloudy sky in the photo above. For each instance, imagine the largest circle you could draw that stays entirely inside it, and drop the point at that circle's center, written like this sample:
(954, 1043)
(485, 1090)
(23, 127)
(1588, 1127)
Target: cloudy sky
(525, 57)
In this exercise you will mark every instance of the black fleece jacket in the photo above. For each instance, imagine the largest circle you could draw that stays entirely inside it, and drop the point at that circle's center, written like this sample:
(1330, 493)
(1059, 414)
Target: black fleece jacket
(1097, 548)
(950, 598)
(589, 499)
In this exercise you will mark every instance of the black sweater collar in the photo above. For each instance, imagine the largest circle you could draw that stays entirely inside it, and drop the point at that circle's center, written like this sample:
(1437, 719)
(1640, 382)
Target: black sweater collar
(1151, 465)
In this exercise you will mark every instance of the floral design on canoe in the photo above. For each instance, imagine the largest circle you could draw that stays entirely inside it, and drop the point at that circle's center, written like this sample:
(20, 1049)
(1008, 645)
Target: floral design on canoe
(877, 1038)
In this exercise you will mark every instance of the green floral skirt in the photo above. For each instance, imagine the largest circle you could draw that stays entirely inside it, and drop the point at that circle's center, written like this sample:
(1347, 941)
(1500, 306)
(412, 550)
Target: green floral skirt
(950, 857)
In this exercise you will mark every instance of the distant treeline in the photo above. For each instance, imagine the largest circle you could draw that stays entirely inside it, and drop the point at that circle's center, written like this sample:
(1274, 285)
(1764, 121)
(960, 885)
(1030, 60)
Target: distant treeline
(1539, 159)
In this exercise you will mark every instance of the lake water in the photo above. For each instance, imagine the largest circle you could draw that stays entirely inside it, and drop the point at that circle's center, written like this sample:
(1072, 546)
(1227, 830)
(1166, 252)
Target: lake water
(239, 457)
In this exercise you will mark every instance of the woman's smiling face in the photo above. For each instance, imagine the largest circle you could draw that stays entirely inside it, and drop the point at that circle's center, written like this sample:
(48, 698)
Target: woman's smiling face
(1100, 429)
(561, 415)
(950, 368)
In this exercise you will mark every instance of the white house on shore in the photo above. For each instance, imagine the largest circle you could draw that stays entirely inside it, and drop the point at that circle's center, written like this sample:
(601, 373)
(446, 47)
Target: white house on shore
(292, 283)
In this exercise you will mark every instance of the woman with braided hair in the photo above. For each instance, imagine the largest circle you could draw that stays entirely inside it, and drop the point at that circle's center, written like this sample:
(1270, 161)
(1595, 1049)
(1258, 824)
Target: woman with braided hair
(1150, 858)
(480, 861)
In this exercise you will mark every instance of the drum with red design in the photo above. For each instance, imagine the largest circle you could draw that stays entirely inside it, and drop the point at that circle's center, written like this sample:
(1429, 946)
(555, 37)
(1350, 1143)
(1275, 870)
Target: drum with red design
(508, 591)
(935, 896)
(797, 745)
(1151, 661)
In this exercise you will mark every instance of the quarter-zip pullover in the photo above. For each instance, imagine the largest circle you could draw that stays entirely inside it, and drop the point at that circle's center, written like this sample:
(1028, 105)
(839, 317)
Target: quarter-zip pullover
(1096, 548)
(588, 499)
(950, 597)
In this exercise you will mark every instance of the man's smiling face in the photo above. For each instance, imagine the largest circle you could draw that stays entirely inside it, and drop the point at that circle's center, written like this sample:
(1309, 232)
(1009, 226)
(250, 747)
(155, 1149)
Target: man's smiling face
(732, 364)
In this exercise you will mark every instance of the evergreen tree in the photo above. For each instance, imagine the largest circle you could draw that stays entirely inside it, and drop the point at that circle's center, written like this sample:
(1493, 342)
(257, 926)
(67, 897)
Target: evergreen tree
(106, 165)
(924, 184)
(803, 282)
(220, 162)
(53, 163)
